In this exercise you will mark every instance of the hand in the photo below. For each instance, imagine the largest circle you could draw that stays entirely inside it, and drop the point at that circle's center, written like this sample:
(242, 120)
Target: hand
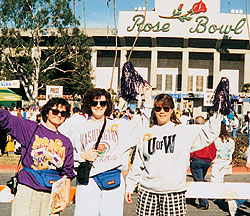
(128, 197)
(147, 92)
(248, 167)
(220, 98)
(90, 155)
(61, 206)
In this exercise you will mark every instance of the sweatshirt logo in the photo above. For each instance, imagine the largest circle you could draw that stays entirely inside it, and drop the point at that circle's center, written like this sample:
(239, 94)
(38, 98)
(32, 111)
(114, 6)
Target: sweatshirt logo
(103, 148)
(167, 144)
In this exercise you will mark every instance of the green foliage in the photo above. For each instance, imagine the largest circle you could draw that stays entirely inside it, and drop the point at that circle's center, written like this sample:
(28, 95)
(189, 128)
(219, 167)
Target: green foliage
(41, 45)
(246, 88)
(71, 66)
(239, 152)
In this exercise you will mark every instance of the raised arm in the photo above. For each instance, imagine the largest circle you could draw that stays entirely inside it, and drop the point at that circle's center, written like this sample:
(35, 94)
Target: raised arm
(206, 133)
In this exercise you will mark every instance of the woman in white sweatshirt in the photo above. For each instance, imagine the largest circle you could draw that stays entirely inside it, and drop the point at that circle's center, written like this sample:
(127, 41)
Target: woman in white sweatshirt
(162, 159)
(112, 154)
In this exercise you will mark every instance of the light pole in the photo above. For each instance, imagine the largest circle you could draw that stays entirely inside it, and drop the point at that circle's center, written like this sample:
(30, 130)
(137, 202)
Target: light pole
(248, 133)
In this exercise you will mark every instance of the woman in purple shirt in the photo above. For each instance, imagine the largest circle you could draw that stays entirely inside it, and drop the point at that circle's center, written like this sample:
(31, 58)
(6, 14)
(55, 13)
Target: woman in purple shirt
(47, 155)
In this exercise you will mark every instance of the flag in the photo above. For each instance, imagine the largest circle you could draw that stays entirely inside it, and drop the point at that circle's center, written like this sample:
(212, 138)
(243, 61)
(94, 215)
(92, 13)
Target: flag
(221, 99)
(131, 82)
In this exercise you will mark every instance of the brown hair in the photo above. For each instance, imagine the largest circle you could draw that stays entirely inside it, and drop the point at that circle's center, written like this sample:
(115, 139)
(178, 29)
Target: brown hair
(93, 93)
(199, 120)
(223, 132)
(167, 100)
(51, 103)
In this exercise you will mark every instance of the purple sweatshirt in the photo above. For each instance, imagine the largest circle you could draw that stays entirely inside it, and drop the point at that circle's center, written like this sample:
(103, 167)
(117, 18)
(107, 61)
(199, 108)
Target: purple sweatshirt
(48, 150)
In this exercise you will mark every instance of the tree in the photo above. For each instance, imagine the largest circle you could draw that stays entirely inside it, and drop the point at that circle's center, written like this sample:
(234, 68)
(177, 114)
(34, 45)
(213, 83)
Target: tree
(39, 47)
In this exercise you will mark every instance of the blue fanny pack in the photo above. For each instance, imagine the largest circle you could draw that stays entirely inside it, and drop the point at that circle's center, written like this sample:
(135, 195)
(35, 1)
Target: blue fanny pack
(108, 180)
(44, 177)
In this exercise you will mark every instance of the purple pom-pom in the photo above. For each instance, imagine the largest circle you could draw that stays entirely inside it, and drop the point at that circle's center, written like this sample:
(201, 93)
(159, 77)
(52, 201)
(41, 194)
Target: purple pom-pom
(221, 98)
(131, 82)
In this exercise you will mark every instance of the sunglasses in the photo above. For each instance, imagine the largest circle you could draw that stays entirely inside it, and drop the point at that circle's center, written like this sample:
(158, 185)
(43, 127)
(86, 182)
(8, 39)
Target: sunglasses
(56, 112)
(102, 103)
(165, 108)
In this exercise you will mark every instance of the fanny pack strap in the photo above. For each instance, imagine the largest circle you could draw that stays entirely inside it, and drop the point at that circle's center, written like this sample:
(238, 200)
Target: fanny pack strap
(41, 171)
(38, 174)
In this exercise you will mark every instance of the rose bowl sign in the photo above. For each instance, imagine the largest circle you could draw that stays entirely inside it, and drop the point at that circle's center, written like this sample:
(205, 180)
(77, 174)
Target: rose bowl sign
(186, 19)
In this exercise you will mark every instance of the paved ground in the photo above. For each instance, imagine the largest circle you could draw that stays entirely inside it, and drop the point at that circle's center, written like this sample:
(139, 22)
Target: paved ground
(216, 209)
(8, 166)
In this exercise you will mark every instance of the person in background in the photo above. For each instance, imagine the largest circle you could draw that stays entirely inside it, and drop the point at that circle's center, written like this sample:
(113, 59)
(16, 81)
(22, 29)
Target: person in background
(235, 125)
(185, 118)
(29, 112)
(225, 148)
(34, 113)
(123, 115)
(162, 159)
(230, 119)
(246, 122)
(44, 152)
(14, 111)
(115, 114)
(19, 113)
(200, 162)
(191, 120)
(25, 113)
(178, 113)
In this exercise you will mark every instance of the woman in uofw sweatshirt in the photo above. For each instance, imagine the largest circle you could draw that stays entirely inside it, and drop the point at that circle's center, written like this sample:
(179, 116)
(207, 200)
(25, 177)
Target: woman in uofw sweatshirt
(162, 159)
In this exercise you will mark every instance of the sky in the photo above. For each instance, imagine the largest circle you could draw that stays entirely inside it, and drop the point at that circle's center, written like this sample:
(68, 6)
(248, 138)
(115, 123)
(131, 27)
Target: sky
(98, 15)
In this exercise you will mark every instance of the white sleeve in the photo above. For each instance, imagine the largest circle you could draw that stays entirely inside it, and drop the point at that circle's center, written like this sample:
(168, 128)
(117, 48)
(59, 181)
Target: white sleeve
(134, 175)
(208, 133)
(76, 142)
(231, 150)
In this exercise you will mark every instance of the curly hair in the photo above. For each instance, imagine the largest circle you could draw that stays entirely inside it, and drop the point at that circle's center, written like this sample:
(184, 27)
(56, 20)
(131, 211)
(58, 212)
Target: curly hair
(164, 99)
(95, 93)
(51, 103)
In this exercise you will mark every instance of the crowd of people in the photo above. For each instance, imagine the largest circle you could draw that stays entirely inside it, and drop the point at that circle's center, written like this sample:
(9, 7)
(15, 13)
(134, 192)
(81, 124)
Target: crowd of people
(54, 143)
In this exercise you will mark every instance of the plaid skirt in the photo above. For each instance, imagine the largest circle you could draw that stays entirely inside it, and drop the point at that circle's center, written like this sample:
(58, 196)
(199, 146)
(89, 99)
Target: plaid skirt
(169, 204)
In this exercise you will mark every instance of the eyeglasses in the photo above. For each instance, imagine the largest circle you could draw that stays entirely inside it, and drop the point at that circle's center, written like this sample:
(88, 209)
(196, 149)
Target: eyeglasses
(165, 108)
(56, 112)
(102, 103)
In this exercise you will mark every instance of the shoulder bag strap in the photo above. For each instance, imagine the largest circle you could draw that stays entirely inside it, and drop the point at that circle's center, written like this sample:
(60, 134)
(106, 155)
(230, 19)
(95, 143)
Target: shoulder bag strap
(100, 135)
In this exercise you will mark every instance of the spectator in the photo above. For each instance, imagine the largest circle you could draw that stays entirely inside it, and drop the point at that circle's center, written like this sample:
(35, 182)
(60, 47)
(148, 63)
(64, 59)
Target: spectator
(178, 113)
(25, 113)
(225, 148)
(230, 119)
(246, 122)
(185, 118)
(33, 114)
(235, 125)
(200, 162)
